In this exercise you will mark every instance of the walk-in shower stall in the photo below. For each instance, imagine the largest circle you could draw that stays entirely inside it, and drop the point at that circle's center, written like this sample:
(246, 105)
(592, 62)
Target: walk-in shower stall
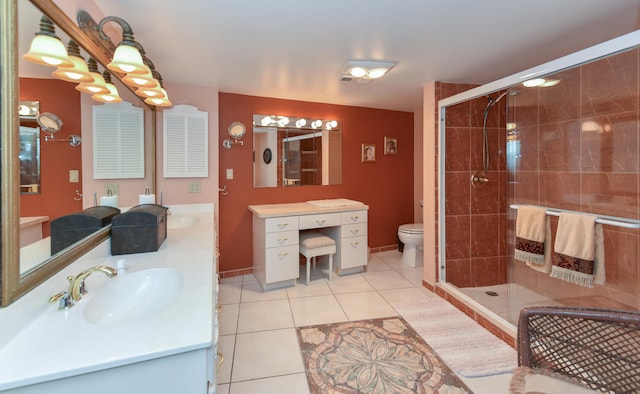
(564, 136)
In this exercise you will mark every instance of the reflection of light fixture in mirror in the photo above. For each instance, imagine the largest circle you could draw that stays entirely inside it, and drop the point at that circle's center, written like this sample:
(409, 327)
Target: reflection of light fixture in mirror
(236, 131)
(127, 57)
(363, 71)
(28, 109)
(46, 48)
(532, 83)
(330, 124)
(78, 71)
(99, 85)
(112, 96)
(316, 124)
(51, 124)
(301, 122)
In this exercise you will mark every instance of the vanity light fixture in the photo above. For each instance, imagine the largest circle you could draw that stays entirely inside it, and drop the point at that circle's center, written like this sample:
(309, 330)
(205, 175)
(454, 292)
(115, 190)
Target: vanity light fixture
(46, 48)
(292, 121)
(112, 96)
(162, 99)
(363, 71)
(99, 85)
(127, 57)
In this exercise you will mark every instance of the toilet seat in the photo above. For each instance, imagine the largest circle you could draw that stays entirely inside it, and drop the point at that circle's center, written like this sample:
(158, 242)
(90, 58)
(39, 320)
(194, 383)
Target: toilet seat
(413, 228)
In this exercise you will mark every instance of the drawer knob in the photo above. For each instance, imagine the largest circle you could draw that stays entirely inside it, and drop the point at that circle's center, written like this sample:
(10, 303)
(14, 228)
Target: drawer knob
(281, 240)
(354, 218)
(354, 231)
(320, 222)
(355, 243)
(282, 225)
(283, 255)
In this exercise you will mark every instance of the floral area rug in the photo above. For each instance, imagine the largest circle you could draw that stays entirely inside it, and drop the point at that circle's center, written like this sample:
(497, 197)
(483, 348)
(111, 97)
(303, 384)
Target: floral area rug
(373, 356)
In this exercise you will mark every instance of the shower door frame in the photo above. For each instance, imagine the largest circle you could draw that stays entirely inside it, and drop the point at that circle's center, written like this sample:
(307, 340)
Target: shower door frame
(604, 49)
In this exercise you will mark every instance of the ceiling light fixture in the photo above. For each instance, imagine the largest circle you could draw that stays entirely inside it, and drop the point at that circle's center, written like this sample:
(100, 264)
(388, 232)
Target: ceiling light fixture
(363, 71)
(46, 48)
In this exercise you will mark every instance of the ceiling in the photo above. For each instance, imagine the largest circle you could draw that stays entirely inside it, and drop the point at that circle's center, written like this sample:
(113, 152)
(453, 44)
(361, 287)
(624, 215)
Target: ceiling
(296, 49)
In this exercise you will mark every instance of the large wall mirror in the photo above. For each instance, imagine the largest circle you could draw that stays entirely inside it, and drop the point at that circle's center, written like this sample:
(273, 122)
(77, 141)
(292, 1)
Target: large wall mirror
(296, 151)
(21, 269)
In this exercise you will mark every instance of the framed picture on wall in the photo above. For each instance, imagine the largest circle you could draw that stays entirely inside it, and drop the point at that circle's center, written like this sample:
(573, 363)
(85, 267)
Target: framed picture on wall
(368, 153)
(390, 146)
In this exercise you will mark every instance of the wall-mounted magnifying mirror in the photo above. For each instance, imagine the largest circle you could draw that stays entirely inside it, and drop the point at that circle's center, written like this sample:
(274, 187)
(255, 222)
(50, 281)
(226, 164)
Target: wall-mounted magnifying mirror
(49, 122)
(52, 124)
(236, 131)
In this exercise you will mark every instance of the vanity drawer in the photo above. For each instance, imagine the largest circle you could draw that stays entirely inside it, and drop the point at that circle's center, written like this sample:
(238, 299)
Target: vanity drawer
(282, 263)
(320, 220)
(285, 223)
(282, 238)
(354, 230)
(353, 252)
(354, 217)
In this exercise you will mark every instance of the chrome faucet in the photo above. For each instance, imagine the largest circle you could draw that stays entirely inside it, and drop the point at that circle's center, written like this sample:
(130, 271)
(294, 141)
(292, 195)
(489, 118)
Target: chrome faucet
(77, 287)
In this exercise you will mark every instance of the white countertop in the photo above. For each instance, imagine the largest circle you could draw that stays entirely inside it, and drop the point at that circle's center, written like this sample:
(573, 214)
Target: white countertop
(26, 221)
(61, 343)
(301, 208)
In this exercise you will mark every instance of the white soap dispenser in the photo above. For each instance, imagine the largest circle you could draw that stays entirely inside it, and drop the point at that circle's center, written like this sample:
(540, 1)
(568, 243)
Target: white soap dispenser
(121, 266)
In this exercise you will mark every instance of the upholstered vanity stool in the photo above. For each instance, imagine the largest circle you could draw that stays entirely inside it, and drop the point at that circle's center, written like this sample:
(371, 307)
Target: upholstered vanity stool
(314, 244)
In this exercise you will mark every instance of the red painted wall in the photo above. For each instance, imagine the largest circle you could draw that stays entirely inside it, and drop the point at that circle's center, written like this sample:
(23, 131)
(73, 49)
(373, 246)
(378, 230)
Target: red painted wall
(56, 158)
(386, 185)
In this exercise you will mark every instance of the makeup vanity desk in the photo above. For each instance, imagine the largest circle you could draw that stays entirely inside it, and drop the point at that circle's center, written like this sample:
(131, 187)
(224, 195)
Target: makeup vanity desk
(276, 229)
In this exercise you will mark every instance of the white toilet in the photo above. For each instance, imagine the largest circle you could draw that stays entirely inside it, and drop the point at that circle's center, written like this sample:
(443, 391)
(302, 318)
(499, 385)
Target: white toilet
(412, 236)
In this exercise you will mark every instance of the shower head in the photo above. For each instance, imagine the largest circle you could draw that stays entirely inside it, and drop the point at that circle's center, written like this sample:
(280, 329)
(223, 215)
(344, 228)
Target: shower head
(492, 101)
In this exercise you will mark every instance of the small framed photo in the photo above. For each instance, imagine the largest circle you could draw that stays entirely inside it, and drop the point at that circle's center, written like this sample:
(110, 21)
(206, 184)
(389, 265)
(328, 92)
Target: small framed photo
(390, 146)
(368, 153)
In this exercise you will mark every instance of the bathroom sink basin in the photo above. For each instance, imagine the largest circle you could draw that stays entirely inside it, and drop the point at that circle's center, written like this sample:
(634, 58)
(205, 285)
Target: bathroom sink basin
(180, 221)
(134, 296)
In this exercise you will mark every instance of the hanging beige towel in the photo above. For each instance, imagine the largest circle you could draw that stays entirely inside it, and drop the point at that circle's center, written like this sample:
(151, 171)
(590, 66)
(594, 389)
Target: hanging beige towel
(533, 237)
(579, 250)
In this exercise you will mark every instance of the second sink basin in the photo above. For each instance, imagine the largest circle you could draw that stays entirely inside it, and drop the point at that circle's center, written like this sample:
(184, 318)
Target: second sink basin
(134, 296)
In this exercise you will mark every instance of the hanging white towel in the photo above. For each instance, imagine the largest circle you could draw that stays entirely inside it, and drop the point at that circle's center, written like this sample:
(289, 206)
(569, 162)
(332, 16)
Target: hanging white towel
(533, 238)
(579, 250)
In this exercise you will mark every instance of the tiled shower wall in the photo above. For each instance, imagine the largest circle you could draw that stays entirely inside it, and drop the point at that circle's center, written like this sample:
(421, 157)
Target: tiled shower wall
(579, 150)
(476, 222)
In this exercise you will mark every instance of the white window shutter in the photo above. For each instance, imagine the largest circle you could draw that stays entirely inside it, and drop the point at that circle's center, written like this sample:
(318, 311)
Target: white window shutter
(185, 142)
(118, 141)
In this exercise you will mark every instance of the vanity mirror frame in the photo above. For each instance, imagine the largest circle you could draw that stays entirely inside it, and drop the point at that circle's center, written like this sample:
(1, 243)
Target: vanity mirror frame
(12, 284)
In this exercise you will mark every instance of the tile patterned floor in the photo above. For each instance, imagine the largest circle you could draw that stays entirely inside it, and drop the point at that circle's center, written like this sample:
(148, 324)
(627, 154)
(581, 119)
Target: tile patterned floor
(257, 329)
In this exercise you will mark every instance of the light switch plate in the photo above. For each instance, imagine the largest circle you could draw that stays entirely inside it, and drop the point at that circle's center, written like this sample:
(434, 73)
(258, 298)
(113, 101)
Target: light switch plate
(74, 176)
(229, 173)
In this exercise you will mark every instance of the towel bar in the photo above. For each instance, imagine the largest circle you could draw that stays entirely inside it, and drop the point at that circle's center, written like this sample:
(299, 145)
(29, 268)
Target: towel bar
(610, 220)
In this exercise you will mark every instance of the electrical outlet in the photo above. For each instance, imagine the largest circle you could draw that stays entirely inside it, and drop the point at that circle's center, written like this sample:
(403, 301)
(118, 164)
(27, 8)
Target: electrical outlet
(113, 187)
(194, 187)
